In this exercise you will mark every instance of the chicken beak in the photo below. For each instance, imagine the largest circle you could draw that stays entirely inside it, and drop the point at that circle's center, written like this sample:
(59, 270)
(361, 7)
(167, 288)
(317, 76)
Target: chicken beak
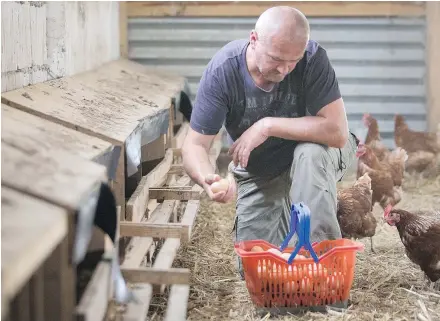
(387, 211)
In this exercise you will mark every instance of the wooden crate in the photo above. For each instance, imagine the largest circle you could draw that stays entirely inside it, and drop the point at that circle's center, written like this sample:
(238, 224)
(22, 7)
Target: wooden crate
(34, 235)
(121, 102)
(163, 208)
(38, 135)
(66, 181)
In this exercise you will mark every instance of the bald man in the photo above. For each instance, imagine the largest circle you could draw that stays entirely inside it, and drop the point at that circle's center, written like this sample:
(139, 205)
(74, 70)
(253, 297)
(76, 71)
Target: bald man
(278, 97)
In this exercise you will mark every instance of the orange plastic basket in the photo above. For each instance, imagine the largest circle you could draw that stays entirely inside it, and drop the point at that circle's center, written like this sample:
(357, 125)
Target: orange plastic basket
(273, 283)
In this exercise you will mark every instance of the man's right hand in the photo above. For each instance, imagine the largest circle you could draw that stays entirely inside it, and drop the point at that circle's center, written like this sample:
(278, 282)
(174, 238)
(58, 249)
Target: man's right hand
(222, 196)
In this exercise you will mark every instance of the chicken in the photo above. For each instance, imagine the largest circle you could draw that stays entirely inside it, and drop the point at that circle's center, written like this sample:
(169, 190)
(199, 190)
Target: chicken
(373, 138)
(384, 191)
(420, 234)
(354, 210)
(414, 141)
(394, 163)
(422, 161)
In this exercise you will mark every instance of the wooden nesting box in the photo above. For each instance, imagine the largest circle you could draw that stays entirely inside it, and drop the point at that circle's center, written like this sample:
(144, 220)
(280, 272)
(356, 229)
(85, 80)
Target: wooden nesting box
(121, 102)
(66, 181)
(33, 232)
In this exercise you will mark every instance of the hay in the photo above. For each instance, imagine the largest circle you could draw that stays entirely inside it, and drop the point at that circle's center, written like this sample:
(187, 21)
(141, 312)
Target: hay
(387, 285)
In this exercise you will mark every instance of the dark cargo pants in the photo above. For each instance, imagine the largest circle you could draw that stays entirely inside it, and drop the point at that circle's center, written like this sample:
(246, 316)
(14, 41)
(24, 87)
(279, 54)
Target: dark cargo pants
(263, 204)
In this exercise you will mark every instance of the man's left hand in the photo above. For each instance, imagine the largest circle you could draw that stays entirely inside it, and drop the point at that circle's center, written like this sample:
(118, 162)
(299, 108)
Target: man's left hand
(253, 137)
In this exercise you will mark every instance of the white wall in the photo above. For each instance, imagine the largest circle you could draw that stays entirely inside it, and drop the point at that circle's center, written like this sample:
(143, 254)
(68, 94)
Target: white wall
(46, 40)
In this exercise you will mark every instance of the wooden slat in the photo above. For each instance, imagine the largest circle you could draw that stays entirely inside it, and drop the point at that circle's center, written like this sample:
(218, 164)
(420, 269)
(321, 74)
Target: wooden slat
(31, 230)
(165, 258)
(157, 275)
(137, 204)
(59, 178)
(177, 303)
(137, 311)
(433, 64)
(145, 229)
(123, 29)
(36, 292)
(140, 245)
(254, 8)
(174, 193)
(179, 138)
(189, 217)
(94, 302)
(34, 134)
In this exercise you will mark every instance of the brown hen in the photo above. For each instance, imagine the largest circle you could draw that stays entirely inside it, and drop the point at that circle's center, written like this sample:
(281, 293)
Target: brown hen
(420, 234)
(394, 163)
(354, 210)
(414, 141)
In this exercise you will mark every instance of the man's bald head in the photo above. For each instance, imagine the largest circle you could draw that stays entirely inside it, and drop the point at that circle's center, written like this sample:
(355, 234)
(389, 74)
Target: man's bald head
(286, 23)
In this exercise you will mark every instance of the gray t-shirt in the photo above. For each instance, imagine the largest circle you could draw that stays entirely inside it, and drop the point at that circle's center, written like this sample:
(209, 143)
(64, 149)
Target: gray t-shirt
(227, 95)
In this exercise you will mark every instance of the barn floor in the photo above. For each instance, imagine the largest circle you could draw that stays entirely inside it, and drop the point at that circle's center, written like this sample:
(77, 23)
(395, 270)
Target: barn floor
(387, 285)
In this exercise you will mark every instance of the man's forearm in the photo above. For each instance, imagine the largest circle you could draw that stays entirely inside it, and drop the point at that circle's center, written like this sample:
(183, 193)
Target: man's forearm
(309, 128)
(196, 163)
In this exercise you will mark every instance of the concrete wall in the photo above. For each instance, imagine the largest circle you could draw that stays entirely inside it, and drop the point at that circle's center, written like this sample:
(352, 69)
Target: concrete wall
(46, 40)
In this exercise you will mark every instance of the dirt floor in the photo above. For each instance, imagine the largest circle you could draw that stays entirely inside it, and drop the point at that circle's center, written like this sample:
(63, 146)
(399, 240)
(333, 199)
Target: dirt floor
(387, 286)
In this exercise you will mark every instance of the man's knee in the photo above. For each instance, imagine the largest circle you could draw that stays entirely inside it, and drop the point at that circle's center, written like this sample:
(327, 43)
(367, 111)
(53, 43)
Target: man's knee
(310, 152)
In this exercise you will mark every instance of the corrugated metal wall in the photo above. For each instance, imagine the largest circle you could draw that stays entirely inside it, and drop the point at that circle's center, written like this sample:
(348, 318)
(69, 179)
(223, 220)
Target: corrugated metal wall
(380, 62)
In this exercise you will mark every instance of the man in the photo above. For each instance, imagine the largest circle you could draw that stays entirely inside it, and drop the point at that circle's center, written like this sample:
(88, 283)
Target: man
(278, 97)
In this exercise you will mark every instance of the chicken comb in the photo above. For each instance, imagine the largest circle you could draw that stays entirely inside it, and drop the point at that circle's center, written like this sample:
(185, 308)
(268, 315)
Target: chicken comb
(387, 210)
(299, 223)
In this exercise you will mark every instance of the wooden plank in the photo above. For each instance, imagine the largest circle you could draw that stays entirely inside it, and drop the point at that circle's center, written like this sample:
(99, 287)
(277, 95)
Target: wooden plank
(34, 134)
(179, 138)
(156, 275)
(145, 229)
(59, 178)
(177, 303)
(30, 231)
(135, 255)
(254, 8)
(174, 193)
(123, 29)
(165, 258)
(121, 102)
(94, 302)
(137, 204)
(154, 150)
(60, 280)
(138, 311)
(433, 50)
(189, 217)
(36, 292)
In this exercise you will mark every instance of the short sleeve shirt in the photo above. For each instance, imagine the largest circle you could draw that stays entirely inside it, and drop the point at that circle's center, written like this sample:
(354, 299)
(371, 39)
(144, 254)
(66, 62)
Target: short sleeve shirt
(227, 95)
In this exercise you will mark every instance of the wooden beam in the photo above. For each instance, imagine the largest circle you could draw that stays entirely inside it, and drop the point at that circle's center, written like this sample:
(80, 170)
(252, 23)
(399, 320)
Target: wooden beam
(145, 229)
(433, 64)
(173, 193)
(123, 29)
(177, 303)
(136, 311)
(255, 8)
(157, 275)
(94, 302)
(138, 202)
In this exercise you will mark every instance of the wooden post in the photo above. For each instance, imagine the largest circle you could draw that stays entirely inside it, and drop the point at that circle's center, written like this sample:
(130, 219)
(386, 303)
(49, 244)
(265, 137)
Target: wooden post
(123, 29)
(432, 63)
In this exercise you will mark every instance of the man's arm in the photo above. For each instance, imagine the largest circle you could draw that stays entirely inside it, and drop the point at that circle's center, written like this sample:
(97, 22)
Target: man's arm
(329, 127)
(195, 155)
(327, 124)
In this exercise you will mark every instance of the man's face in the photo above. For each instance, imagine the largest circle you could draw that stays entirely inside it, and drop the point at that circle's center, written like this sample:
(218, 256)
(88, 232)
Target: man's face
(276, 58)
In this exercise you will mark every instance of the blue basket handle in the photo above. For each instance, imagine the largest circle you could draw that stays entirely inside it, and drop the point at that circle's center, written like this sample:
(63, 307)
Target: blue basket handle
(299, 223)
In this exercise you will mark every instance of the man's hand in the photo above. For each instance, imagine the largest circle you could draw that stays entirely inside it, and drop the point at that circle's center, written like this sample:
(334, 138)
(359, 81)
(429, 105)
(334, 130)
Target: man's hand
(223, 196)
(253, 137)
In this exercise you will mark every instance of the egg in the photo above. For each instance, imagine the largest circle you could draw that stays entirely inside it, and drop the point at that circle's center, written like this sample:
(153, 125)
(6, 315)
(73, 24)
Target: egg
(220, 186)
(257, 248)
(275, 251)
